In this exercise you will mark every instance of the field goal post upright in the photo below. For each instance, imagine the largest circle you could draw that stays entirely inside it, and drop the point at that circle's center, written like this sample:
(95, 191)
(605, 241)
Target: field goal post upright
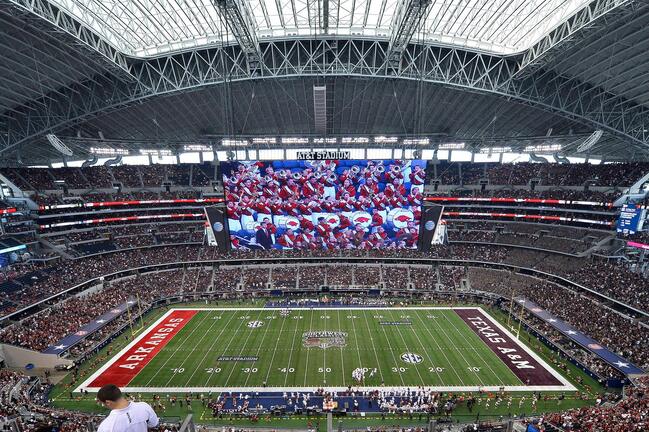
(188, 424)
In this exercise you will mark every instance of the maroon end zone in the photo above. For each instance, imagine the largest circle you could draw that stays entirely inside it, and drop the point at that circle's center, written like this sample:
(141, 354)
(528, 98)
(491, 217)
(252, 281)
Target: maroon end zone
(524, 366)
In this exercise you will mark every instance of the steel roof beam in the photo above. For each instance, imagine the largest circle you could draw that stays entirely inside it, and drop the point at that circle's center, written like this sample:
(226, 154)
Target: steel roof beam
(59, 20)
(239, 19)
(578, 26)
(452, 67)
(405, 23)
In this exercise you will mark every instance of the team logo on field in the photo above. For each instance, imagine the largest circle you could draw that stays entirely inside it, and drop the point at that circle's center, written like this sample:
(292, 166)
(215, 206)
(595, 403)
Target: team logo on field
(411, 358)
(255, 324)
(324, 339)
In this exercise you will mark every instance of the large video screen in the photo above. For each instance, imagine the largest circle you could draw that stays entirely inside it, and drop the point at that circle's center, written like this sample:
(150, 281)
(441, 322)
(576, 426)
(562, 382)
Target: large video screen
(344, 204)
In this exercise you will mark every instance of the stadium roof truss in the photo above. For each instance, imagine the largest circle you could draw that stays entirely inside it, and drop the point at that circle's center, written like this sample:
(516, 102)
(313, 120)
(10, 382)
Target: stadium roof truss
(146, 48)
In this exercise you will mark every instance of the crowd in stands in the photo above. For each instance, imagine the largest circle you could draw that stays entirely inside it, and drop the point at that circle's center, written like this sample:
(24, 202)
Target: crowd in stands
(624, 335)
(102, 177)
(46, 328)
(629, 415)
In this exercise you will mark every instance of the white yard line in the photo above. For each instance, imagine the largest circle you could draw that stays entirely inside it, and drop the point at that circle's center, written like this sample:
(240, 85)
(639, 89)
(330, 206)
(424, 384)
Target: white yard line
(376, 356)
(272, 359)
(306, 368)
(443, 351)
(358, 348)
(290, 354)
(446, 336)
(342, 357)
(173, 354)
(416, 366)
(416, 333)
(565, 387)
(526, 389)
(324, 352)
(189, 355)
(209, 351)
(475, 350)
(263, 339)
(243, 348)
(396, 362)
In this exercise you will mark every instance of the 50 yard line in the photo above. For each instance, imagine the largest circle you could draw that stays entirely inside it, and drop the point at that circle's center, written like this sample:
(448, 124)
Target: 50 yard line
(376, 356)
(306, 367)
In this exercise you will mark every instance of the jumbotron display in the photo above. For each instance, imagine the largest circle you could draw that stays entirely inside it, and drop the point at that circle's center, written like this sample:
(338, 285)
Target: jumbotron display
(342, 204)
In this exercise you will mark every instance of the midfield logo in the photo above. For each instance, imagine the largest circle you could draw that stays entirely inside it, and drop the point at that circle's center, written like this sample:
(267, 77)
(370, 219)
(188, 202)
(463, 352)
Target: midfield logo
(324, 339)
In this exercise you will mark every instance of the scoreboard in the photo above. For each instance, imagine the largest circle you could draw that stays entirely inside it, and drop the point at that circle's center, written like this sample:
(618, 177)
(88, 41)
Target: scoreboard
(631, 219)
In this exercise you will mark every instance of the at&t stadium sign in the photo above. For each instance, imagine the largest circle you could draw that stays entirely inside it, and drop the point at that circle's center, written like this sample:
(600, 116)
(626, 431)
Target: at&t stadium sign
(323, 155)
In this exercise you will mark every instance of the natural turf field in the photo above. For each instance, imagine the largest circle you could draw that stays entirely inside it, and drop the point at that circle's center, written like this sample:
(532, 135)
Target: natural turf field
(308, 348)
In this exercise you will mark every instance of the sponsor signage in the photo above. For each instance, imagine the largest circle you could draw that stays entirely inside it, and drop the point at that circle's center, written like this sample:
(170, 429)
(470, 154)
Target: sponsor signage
(324, 339)
(631, 219)
(74, 338)
(324, 155)
(637, 245)
(613, 359)
(238, 358)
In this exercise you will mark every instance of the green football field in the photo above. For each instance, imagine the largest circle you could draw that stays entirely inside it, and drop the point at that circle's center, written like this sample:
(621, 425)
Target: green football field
(278, 350)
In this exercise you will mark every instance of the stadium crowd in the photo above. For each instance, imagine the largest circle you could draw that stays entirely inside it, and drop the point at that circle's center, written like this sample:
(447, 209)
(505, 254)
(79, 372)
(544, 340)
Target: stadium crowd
(628, 415)
(42, 179)
(625, 335)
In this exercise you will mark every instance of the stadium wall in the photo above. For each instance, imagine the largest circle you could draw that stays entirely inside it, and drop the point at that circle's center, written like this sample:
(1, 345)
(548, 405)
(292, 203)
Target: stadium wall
(16, 357)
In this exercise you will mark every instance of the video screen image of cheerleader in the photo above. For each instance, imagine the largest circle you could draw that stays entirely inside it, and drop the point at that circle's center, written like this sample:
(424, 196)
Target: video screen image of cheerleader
(343, 204)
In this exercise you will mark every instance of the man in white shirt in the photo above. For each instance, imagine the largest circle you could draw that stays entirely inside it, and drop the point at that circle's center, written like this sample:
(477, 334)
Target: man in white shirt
(125, 416)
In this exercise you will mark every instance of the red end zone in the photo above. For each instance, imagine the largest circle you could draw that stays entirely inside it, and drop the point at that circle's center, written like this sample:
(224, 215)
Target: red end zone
(519, 361)
(129, 364)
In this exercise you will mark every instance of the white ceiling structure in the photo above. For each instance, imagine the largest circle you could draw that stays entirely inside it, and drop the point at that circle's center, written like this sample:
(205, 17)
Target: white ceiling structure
(145, 28)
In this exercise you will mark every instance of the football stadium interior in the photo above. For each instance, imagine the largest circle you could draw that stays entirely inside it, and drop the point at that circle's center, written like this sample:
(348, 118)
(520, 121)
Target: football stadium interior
(319, 215)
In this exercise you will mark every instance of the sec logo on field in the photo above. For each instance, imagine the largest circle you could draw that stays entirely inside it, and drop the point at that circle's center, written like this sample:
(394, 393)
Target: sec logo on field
(255, 324)
(411, 358)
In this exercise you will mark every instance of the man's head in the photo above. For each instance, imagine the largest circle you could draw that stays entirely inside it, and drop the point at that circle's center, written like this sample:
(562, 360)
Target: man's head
(109, 396)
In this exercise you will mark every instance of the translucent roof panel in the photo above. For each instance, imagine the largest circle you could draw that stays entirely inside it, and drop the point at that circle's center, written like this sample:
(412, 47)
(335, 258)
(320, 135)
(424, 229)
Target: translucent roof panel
(145, 28)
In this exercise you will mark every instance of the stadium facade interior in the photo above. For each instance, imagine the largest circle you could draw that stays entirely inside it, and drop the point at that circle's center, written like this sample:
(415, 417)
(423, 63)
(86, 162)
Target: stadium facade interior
(307, 214)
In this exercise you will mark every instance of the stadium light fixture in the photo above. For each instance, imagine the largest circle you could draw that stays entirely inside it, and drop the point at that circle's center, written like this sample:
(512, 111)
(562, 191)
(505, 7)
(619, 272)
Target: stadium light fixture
(59, 145)
(543, 148)
(491, 150)
(295, 140)
(355, 140)
(451, 146)
(158, 152)
(228, 142)
(264, 140)
(107, 151)
(330, 140)
(197, 148)
(416, 141)
(386, 140)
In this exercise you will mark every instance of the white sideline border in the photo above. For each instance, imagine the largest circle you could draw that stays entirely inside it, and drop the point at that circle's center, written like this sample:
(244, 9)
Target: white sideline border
(567, 386)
